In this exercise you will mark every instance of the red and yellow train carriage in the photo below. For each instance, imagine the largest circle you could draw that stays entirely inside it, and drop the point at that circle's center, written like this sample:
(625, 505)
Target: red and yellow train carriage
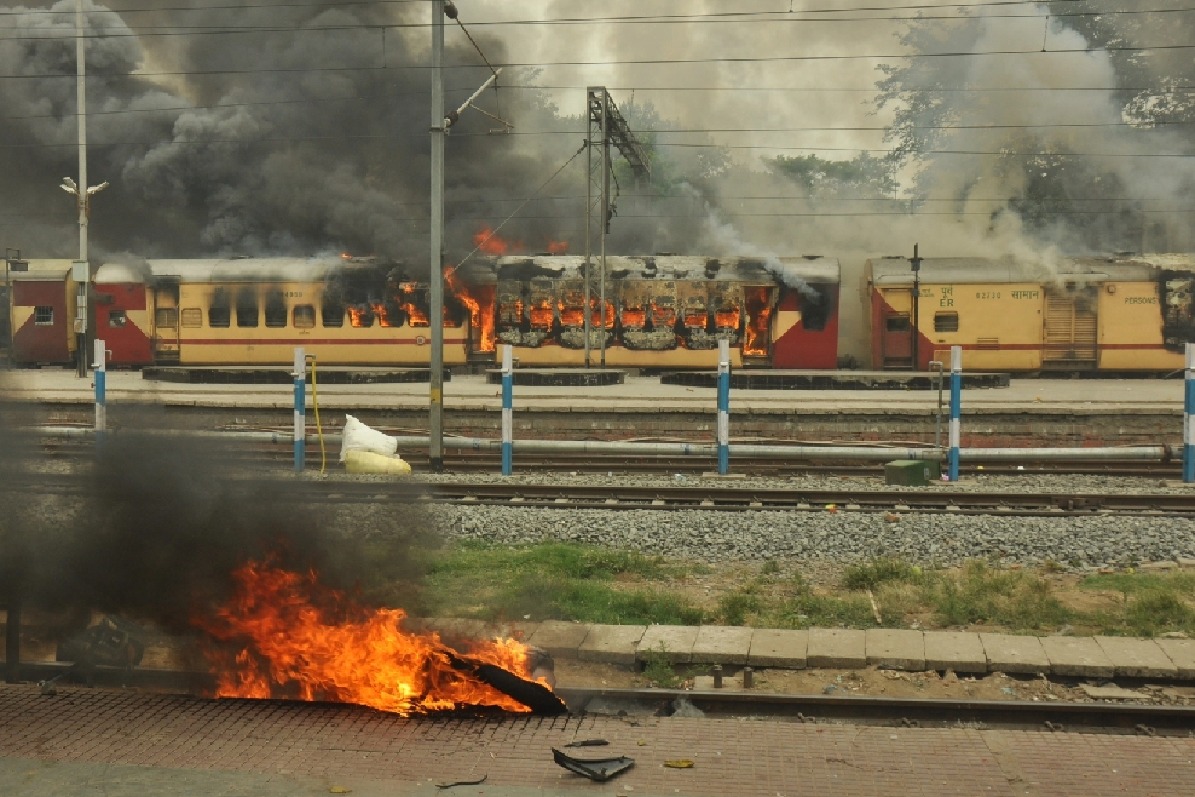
(1117, 314)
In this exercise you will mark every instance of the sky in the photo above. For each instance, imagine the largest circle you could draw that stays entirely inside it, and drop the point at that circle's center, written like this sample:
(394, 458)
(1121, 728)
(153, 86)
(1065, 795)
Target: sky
(300, 126)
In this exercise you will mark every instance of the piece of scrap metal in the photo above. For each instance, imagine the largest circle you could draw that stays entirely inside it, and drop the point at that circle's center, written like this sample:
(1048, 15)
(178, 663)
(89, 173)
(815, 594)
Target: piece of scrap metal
(477, 782)
(588, 743)
(599, 769)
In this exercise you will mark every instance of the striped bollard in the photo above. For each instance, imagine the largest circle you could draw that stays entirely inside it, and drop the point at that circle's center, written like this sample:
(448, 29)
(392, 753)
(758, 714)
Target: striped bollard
(300, 375)
(508, 381)
(956, 400)
(1188, 411)
(723, 407)
(100, 364)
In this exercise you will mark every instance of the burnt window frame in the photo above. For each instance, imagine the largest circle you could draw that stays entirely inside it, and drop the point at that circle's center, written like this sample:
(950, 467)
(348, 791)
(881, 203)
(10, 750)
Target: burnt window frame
(118, 319)
(904, 327)
(327, 312)
(308, 312)
(275, 313)
(247, 309)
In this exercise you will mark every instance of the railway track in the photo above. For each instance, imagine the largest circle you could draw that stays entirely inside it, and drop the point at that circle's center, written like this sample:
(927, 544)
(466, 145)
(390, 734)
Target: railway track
(741, 496)
(1055, 716)
(268, 455)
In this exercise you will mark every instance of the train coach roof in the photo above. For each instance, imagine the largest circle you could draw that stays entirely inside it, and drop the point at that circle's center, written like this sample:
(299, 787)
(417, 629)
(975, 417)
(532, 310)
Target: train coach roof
(898, 270)
(256, 269)
(42, 269)
(683, 267)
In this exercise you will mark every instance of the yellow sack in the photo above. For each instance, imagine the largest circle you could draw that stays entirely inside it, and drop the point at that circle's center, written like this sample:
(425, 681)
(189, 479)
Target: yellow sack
(369, 462)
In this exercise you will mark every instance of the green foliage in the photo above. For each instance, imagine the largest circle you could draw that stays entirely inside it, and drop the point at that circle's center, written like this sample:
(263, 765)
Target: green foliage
(735, 607)
(1151, 612)
(870, 575)
(863, 177)
(979, 594)
(658, 670)
(552, 581)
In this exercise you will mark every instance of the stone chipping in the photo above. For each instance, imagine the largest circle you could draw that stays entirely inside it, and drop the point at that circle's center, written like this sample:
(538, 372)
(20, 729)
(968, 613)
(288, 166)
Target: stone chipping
(840, 536)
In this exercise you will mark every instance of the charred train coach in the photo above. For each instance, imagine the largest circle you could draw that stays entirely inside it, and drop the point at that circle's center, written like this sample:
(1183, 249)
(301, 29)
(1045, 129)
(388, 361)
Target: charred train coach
(1115, 314)
(649, 312)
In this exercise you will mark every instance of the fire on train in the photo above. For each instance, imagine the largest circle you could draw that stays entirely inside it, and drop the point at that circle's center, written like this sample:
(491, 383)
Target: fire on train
(1117, 314)
(665, 312)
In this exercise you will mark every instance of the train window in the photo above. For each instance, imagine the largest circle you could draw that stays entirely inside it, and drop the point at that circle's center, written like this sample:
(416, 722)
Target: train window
(275, 309)
(247, 315)
(897, 323)
(219, 314)
(945, 322)
(192, 317)
(168, 317)
(332, 314)
(304, 316)
(43, 315)
(117, 318)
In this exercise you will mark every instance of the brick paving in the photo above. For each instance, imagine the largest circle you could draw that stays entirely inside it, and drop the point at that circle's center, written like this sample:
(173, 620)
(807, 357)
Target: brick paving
(206, 747)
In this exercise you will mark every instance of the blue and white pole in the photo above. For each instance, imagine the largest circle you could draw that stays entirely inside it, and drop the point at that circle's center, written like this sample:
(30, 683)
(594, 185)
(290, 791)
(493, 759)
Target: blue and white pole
(100, 365)
(508, 391)
(300, 375)
(723, 407)
(1188, 424)
(956, 401)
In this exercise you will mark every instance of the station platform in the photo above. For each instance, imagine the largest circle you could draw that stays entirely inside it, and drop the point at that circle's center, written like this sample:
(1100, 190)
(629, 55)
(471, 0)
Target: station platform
(846, 649)
(125, 743)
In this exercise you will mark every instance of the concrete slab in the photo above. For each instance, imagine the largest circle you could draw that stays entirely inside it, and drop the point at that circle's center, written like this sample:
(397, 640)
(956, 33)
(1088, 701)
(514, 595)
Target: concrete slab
(960, 651)
(1115, 693)
(521, 630)
(673, 642)
(1182, 653)
(1077, 655)
(722, 644)
(611, 644)
(896, 649)
(837, 648)
(559, 637)
(1137, 658)
(780, 648)
(1009, 653)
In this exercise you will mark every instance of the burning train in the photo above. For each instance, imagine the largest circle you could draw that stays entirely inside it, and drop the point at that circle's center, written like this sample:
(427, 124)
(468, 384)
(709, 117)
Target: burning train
(651, 312)
(1114, 314)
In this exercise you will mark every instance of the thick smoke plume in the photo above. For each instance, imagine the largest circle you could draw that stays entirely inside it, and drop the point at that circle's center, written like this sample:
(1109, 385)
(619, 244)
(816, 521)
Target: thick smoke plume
(158, 527)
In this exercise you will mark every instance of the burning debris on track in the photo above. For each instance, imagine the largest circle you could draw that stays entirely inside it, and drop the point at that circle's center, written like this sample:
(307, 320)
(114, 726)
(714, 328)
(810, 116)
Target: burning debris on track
(284, 635)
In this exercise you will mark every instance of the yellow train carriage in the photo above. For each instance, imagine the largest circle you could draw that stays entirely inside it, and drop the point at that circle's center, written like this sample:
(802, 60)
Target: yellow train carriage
(1119, 314)
(256, 312)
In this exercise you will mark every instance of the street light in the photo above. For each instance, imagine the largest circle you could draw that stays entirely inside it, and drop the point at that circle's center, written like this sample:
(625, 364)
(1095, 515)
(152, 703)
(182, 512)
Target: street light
(12, 262)
(83, 200)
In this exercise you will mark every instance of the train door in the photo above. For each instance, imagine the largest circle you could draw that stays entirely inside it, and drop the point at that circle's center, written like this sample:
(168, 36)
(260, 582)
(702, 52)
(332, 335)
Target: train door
(897, 330)
(166, 322)
(1069, 343)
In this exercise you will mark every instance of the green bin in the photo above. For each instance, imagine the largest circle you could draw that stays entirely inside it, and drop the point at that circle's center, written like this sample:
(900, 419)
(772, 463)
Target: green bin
(912, 472)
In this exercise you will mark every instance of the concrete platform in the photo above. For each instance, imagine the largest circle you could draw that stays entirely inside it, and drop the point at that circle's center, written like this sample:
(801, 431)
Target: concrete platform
(775, 379)
(611, 644)
(774, 647)
(673, 642)
(1014, 654)
(959, 651)
(721, 644)
(895, 649)
(1080, 656)
(1182, 653)
(837, 648)
(1137, 658)
(558, 637)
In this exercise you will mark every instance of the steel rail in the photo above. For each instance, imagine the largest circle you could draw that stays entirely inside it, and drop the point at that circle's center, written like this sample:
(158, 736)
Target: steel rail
(1055, 716)
(714, 497)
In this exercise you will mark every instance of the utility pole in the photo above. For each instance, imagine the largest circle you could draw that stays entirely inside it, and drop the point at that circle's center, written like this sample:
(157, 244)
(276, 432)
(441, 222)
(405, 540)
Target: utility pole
(435, 450)
(606, 126)
(915, 262)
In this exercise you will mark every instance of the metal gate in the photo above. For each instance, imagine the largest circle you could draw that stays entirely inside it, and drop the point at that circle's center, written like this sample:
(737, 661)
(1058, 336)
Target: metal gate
(1070, 329)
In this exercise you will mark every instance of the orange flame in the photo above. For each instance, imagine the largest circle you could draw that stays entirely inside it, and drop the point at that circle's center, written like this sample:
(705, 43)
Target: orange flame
(490, 243)
(285, 635)
(663, 316)
(755, 339)
(481, 314)
(634, 317)
(541, 315)
(557, 247)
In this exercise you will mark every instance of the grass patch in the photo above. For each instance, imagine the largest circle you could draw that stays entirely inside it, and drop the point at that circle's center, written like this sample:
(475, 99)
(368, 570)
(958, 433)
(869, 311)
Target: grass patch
(979, 594)
(1150, 603)
(553, 581)
(870, 575)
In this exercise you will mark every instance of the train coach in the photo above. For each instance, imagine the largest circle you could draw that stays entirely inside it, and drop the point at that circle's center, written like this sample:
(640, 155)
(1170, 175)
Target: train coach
(663, 312)
(666, 312)
(1079, 315)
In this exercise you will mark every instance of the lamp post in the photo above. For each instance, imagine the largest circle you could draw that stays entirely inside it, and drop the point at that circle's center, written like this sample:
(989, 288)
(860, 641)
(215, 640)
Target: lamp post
(83, 276)
(12, 262)
(915, 262)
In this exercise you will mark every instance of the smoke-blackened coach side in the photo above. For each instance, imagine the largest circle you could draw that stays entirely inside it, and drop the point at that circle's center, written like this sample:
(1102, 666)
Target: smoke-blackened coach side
(805, 321)
(124, 314)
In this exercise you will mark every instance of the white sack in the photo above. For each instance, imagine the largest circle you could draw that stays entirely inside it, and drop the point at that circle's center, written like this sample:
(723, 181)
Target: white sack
(359, 437)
